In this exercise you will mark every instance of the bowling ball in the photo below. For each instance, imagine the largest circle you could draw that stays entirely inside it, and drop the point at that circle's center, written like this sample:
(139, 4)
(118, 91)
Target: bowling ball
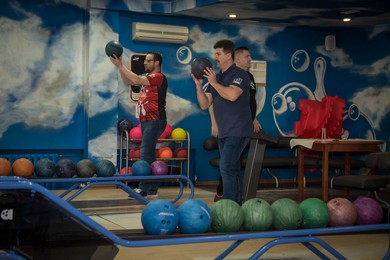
(125, 125)
(315, 213)
(65, 168)
(159, 168)
(180, 152)
(227, 216)
(258, 215)
(166, 153)
(179, 133)
(105, 168)
(123, 170)
(159, 217)
(194, 217)
(287, 214)
(136, 134)
(141, 168)
(135, 153)
(85, 168)
(369, 211)
(114, 48)
(199, 65)
(342, 212)
(45, 168)
(23, 168)
(210, 144)
(5, 167)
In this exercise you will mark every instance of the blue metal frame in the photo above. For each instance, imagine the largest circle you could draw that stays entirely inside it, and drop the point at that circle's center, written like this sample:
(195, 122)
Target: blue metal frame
(82, 184)
(304, 236)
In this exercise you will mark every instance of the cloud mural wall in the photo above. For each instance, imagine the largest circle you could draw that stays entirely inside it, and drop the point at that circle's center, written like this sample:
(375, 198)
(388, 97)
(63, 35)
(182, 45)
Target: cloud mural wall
(55, 78)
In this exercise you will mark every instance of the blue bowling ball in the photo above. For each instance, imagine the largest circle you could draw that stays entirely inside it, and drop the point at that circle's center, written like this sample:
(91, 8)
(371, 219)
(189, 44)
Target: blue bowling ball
(141, 168)
(159, 217)
(45, 168)
(114, 48)
(105, 168)
(194, 217)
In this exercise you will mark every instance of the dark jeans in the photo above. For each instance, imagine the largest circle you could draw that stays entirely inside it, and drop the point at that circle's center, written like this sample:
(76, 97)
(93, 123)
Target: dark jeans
(220, 186)
(151, 131)
(230, 150)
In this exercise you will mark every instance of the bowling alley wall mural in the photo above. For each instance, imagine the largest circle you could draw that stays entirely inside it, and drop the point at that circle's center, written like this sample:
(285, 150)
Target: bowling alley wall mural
(61, 94)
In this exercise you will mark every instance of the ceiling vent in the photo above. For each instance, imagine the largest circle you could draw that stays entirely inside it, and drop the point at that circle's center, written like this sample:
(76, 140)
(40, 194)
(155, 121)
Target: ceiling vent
(159, 33)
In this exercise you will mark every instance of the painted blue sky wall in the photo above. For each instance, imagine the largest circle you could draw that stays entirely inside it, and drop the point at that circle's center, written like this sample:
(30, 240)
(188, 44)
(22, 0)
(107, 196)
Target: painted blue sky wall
(60, 91)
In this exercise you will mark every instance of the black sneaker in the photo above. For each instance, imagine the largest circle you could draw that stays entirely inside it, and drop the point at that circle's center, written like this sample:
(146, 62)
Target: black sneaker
(140, 192)
(151, 196)
(218, 197)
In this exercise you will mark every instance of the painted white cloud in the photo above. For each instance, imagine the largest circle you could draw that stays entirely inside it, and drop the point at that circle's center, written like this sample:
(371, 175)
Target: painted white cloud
(45, 76)
(379, 29)
(381, 66)
(203, 42)
(258, 36)
(103, 75)
(97, 147)
(374, 103)
(338, 57)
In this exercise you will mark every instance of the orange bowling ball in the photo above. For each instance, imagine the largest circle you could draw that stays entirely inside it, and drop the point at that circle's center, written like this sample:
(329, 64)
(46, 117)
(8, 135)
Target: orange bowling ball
(165, 152)
(23, 168)
(5, 167)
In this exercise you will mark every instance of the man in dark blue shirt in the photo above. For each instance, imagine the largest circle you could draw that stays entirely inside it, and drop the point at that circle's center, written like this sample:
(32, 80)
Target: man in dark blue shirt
(243, 59)
(228, 92)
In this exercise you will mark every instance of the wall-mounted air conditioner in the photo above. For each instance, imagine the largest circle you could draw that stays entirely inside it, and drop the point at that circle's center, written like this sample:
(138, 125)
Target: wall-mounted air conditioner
(159, 33)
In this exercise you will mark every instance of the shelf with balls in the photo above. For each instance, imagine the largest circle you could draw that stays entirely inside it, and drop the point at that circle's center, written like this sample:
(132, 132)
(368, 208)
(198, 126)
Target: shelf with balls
(173, 148)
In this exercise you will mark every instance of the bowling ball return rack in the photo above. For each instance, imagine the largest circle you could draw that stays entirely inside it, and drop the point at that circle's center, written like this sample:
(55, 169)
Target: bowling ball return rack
(80, 185)
(37, 224)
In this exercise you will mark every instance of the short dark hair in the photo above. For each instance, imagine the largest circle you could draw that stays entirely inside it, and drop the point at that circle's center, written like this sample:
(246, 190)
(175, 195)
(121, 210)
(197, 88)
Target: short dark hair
(241, 48)
(156, 56)
(226, 45)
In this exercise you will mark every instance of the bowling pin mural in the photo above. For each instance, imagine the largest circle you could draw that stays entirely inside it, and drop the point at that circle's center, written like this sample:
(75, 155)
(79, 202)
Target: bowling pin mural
(285, 102)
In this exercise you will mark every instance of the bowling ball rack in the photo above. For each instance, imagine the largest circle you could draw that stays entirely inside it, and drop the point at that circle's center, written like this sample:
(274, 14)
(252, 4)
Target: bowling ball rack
(37, 224)
(79, 185)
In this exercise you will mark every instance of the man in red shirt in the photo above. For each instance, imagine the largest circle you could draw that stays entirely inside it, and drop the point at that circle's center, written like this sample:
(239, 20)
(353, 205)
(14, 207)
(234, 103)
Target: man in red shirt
(150, 109)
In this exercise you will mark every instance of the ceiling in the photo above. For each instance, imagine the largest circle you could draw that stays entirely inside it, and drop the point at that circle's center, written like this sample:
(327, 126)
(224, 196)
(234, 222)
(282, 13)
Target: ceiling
(292, 13)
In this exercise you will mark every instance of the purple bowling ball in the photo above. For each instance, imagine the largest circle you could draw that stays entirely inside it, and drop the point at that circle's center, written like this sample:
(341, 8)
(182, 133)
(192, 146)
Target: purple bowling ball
(199, 65)
(369, 211)
(159, 168)
(65, 168)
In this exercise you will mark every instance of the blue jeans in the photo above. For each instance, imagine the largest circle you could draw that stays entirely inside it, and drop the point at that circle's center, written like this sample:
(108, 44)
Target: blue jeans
(230, 150)
(151, 131)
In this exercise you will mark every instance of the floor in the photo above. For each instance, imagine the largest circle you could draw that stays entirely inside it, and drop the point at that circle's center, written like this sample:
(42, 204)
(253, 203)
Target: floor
(110, 207)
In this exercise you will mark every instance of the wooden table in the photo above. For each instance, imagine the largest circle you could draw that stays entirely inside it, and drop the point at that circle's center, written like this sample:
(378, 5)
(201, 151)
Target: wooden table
(326, 146)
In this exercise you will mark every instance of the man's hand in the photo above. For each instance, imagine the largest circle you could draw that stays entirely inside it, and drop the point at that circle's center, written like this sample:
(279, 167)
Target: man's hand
(209, 73)
(115, 60)
(198, 82)
(256, 126)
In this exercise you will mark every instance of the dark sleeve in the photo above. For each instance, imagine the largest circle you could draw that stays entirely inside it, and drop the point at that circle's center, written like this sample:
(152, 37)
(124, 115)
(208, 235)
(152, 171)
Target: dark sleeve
(252, 96)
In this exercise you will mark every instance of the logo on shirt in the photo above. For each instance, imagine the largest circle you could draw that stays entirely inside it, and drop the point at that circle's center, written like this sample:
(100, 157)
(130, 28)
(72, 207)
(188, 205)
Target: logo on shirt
(253, 85)
(237, 81)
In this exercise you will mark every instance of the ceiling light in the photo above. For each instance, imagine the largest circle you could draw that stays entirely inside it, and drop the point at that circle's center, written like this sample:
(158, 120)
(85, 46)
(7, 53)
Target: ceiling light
(346, 19)
(232, 16)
